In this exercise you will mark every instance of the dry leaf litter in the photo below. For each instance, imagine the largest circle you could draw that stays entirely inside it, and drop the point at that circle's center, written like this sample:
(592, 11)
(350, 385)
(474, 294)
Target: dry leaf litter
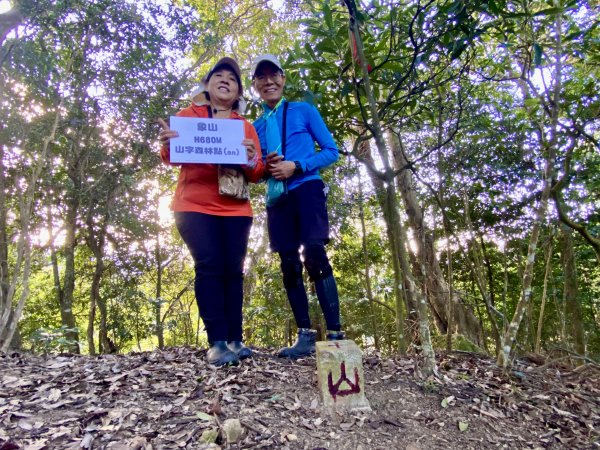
(172, 399)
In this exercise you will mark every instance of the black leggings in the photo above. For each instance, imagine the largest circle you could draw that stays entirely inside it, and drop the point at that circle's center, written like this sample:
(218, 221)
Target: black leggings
(218, 245)
(318, 267)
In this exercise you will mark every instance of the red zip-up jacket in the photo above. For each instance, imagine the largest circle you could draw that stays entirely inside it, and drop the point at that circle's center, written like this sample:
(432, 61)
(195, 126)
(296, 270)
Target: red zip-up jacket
(198, 186)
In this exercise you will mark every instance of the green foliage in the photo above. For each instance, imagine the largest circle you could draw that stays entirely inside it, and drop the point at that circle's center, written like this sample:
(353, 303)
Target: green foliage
(459, 342)
(51, 340)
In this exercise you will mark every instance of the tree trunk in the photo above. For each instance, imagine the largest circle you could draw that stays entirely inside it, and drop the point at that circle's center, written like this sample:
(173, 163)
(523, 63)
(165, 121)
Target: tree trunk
(66, 299)
(476, 265)
(9, 20)
(549, 148)
(435, 284)
(548, 271)
(158, 323)
(574, 317)
(90, 328)
(4, 270)
(451, 285)
(391, 211)
(97, 222)
(510, 334)
(412, 292)
(386, 197)
(19, 273)
(367, 266)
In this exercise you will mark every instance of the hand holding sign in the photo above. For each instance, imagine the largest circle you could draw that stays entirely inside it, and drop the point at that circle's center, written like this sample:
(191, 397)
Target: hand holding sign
(215, 141)
(250, 148)
(166, 133)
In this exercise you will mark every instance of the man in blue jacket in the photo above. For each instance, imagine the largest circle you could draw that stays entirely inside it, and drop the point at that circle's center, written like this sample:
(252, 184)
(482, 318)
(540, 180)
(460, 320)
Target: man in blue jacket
(288, 131)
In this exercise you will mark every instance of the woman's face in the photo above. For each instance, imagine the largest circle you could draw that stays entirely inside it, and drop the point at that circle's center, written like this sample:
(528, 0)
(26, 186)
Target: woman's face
(223, 87)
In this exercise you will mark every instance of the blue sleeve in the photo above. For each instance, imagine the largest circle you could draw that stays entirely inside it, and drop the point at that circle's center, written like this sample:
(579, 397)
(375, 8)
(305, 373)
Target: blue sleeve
(320, 133)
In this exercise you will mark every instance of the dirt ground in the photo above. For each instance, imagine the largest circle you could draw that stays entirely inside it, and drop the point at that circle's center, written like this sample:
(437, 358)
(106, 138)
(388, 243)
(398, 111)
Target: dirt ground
(172, 399)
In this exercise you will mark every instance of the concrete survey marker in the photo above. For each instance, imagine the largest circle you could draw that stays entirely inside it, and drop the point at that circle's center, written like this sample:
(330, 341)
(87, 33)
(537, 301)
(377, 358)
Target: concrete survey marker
(341, 377)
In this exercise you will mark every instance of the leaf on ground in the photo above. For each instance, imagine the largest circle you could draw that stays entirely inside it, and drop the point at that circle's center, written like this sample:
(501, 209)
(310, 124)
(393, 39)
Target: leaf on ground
(203, 416)
(291, 437)
(448, 401)
(54, 395)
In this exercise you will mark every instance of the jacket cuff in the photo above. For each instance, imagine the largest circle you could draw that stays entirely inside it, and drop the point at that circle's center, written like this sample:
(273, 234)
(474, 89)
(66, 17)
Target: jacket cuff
(252, 163)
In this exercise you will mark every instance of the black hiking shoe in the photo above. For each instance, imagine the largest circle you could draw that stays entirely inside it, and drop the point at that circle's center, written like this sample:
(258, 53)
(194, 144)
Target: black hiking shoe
(240, 349)
(304, 345)
(335, 335)
(219, 354)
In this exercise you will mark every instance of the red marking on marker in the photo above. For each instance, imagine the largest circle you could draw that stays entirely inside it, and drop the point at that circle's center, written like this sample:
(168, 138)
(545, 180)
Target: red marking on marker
(334, 389)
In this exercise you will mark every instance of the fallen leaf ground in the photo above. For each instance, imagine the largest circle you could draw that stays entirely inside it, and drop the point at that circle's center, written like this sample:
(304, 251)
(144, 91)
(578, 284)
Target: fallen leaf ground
(168, 399)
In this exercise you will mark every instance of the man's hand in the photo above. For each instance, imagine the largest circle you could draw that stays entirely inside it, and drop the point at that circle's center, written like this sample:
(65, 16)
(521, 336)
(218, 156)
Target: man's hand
(166, 133)
(273, 158)
(283, 170)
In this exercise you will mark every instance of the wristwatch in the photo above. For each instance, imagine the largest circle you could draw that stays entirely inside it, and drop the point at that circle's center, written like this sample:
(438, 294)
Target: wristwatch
(298, 170)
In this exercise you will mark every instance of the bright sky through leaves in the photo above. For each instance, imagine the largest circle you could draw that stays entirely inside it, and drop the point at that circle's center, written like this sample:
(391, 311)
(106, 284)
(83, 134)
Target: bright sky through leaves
(4, 6)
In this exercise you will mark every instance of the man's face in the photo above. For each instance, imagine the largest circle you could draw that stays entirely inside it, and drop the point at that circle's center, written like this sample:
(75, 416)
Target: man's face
(269, 82)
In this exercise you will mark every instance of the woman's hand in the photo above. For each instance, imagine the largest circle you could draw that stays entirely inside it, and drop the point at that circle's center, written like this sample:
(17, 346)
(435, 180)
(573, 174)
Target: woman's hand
(250, 148)
(166, 133)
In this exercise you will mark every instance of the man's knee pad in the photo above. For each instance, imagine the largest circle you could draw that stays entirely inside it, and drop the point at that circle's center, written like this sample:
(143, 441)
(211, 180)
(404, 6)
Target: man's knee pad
(291, 267)
(316, 261)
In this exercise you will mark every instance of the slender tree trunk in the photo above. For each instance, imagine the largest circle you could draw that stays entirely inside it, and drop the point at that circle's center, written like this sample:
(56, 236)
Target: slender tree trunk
(4, 270)
(158, 323)
(367, 266)
(504, 288)
(510, 335)
(67, 315)
(574, 317)
(466, 322)
(9, 313)
(548, 271)
(97, 221)
(18, 274)
(105, 344)
(90, 328)
(476, 266)
(390, 199)
(8, 21)
(77, 159)
(549, 147)
(412, 291)
(397, 244)
(451, 285)
(386, 197)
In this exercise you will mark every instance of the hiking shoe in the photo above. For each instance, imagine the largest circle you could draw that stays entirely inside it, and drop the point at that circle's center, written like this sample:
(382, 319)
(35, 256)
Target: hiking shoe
(240, 349)
(304, 345)
(219, 354)
(336, 335)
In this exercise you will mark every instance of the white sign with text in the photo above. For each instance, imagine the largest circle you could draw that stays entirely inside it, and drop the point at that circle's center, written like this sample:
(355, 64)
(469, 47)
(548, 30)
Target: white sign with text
(216, 141)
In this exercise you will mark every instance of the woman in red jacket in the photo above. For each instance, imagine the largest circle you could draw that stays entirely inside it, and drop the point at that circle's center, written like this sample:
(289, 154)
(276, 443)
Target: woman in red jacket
(215, 227)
